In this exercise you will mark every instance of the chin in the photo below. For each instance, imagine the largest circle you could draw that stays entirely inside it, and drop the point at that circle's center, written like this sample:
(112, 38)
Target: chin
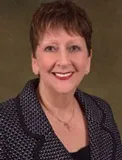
(65, 90)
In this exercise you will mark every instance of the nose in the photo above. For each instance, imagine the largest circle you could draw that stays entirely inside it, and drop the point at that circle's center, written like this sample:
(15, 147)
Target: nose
(64, 59)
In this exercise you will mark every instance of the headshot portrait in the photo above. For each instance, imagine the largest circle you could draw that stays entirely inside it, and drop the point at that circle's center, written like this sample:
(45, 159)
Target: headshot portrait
(54, 101)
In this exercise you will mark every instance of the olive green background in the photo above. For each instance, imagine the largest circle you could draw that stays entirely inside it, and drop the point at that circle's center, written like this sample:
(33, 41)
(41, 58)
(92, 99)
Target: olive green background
(105, 79)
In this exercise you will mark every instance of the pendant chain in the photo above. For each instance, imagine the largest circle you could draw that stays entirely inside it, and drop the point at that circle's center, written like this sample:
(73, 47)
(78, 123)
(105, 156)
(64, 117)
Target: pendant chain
(66, 124)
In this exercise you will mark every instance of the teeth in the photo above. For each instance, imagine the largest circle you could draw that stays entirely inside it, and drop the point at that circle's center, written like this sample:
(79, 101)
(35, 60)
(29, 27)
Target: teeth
(63, 74)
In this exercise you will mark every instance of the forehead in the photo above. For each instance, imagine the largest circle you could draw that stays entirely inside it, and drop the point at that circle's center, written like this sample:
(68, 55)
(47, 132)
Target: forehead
(60, 35)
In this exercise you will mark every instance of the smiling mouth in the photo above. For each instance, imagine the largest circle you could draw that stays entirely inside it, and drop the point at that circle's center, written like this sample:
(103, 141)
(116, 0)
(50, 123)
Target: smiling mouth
(63, 76)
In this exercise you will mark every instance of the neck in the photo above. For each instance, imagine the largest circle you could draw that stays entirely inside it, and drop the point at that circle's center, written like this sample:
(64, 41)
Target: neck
(58, 103)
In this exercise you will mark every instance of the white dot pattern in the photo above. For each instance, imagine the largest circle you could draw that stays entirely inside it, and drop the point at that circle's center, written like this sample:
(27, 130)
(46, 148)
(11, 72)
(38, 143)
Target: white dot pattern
(26, 133)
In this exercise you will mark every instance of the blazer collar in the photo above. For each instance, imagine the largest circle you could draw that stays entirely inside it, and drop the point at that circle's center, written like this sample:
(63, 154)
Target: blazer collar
(35, 120)
(93, 117)
(34, 116)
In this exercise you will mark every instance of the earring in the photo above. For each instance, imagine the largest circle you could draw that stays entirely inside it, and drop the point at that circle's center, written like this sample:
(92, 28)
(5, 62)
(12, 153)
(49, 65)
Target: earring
(87, 72)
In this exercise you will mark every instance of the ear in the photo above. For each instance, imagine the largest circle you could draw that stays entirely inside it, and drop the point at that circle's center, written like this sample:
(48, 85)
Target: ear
(34, 64)
(88, 66)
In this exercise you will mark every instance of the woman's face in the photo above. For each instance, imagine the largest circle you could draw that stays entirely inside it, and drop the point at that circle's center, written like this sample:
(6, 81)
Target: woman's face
(61, 61)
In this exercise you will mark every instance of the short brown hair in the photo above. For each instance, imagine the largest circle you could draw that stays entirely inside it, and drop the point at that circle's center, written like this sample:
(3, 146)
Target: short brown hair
(60, 14)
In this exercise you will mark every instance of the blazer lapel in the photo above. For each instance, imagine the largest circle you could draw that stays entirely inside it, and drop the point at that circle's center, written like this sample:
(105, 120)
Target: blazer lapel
(100, 136)
(36, 125)
(93, 122)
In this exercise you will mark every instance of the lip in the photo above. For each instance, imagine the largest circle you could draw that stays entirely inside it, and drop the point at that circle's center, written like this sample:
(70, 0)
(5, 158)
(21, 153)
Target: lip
(63, 72)
(63, 78)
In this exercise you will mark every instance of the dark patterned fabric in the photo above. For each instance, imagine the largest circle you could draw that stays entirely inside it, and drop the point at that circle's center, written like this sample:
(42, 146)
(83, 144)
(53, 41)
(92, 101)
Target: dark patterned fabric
(26, 134)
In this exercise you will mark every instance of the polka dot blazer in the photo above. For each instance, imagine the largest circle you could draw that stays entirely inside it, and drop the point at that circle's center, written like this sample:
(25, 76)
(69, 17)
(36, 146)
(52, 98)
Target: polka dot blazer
(26, 134)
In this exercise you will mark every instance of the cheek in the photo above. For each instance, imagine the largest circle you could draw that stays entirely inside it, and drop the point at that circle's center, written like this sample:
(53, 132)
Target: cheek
(45, 64)
(81, 64)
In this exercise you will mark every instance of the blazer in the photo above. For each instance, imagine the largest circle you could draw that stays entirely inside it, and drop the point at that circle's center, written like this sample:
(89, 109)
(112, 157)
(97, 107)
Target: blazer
(26, 134)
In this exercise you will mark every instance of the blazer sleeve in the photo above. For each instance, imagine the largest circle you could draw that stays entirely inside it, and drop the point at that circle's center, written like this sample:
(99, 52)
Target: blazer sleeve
(112, 126)
(2, 141)
(116, 134)
(2, 148)
(3, 155)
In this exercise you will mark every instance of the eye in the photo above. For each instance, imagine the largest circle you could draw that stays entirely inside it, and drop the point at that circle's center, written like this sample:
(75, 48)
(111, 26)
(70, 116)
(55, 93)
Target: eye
(74, 48)
(50, 49)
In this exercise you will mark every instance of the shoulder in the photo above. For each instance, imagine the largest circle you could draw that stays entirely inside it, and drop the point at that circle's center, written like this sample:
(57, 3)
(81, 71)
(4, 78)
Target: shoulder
(108, 123)
(102, 103)
(7, 105)
(107, 117)
(8, 111)
(94, 100)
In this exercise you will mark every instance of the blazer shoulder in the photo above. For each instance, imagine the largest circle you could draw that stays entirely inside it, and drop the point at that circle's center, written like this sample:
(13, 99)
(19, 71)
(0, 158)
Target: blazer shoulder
(8, 109)
(101, 103)
(7, 104)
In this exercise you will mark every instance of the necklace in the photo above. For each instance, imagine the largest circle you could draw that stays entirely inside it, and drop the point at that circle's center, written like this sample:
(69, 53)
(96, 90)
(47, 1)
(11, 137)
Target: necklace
(66, 124)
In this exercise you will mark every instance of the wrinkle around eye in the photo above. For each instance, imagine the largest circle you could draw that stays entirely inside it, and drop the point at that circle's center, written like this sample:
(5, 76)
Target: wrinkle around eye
(74, 48)
(50, 49)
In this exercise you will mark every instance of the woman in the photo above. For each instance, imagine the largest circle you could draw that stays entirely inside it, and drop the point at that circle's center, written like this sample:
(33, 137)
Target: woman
(51, 119)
